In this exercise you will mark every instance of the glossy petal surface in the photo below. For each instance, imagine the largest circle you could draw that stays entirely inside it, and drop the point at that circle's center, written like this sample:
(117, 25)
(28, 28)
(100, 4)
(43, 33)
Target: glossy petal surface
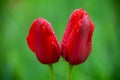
(43, 42)
(77, 39)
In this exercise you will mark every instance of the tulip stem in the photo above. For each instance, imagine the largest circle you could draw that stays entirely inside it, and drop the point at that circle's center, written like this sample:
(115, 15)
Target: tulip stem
(51, 72)
(70, 72)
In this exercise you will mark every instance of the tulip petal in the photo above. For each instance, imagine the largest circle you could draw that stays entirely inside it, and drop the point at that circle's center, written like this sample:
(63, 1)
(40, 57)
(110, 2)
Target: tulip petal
(77, 39)
(43, 42)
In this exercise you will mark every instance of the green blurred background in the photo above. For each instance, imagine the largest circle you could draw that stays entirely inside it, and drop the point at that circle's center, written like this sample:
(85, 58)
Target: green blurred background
(18, 62)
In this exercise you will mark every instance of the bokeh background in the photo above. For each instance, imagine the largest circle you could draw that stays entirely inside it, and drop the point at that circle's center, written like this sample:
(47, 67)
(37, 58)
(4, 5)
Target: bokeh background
(18, 62)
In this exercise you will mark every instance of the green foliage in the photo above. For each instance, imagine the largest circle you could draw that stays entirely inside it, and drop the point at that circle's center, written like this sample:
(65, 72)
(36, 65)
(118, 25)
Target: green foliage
(17, 62)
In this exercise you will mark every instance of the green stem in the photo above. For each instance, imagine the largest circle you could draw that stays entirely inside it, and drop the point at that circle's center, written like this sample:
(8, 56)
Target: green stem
(51, 72)
(70, 72)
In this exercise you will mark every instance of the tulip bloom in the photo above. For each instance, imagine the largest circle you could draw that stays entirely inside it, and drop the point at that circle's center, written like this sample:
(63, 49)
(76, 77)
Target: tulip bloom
(43, 42)
(77, 39)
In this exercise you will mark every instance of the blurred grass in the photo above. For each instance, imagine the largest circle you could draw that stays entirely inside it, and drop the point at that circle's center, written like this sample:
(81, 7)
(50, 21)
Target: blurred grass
(17, 62)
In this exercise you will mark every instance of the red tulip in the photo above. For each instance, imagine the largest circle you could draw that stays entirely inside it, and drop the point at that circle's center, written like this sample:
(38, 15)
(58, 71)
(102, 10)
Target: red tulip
(43, 42)
(77, 39)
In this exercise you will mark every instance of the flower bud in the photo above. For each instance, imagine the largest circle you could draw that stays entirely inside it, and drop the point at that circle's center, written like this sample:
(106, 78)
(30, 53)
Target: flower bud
(77, 39)
(43, 42)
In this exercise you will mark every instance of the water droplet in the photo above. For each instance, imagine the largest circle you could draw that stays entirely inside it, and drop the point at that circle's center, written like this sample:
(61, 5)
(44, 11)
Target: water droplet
(80, 25)
(74, 14)
(41, 22)
(77, 30)
(50, 38)
(36, 23)
(88, 43)
(43, 27)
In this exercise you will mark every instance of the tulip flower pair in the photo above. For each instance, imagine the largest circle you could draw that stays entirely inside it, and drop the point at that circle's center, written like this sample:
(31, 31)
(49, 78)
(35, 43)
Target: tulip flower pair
(76, 43)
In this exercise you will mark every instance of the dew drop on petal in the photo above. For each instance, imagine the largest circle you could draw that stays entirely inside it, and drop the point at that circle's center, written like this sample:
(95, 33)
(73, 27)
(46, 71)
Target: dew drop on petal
(41, 22)
(88, 43)
(77, 30)
(36, 23)
(80, 25)
(43, 27)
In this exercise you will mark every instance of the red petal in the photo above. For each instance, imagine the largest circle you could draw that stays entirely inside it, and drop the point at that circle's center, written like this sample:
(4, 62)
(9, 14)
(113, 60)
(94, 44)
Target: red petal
(42, 40)
(76, 42)
(31, 35)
